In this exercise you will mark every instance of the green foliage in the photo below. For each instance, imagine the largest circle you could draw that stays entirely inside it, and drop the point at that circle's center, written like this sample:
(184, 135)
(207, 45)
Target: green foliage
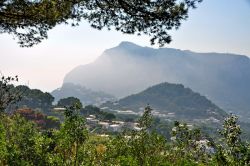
(29, 21)
(8, 93)
(190, 144)
(41, 120)
(109, 116)
(138, 147)
(146, 120)
(34, 98)
(52, 122)
(162, 127)
(153, 18)
(90, 110)
(73, 134)
(22, 143)
(69, 101)
(3, 149)
(232, 150)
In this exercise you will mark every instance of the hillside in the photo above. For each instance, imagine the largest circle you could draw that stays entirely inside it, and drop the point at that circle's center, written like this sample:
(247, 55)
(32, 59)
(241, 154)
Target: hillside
(170, 101)
(129, 68)
(34, 99)
(85, 95)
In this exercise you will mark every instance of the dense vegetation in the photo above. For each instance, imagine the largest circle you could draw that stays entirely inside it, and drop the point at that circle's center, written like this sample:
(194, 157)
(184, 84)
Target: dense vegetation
(34, 98)
(42, 121)
(66, 102)
(23, 142)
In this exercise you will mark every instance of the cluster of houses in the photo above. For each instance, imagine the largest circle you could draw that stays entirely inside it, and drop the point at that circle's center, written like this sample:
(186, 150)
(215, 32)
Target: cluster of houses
(114, 126)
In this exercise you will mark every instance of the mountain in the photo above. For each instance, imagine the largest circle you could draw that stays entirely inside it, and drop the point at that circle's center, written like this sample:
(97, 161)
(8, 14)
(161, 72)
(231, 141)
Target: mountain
(86, 96)
(129, 68)
(172, 101)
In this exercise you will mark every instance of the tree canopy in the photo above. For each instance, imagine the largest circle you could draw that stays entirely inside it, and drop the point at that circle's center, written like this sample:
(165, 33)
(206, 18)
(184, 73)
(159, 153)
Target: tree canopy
(69, 101)
(29, 21)
(8, 94)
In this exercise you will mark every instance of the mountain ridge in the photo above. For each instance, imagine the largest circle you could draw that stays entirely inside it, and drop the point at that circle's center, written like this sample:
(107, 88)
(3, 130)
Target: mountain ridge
(128, 68)
(174, 99)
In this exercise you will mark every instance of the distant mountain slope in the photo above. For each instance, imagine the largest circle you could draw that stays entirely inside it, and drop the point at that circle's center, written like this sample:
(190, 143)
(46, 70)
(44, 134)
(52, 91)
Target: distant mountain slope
(170, 99)
(129, 68)
(85, 95)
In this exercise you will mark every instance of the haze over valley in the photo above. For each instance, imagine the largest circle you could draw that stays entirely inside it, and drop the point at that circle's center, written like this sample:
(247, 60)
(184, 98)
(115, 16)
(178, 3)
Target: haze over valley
(130, 68)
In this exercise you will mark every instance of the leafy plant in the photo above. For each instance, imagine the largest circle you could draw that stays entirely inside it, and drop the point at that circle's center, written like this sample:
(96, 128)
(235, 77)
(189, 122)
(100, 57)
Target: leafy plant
(232, 149)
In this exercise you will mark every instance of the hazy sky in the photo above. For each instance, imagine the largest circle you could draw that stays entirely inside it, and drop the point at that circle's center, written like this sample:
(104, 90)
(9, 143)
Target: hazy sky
(215, 26)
